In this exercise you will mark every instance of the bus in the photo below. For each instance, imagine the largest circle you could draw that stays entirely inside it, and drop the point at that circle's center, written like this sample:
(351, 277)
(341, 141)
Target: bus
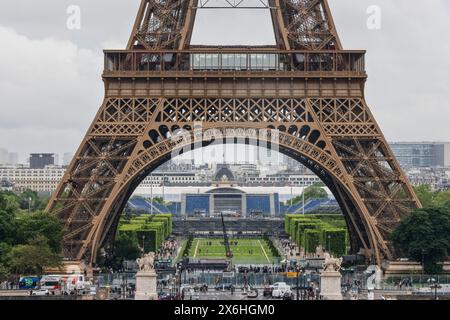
(51, 282)
(29, 283)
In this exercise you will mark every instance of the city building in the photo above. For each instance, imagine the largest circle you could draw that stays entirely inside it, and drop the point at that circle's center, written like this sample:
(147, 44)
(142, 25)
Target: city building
(40, 180)
(284, 179)
(6, 185)
(158, 179)
(8, 158)
(3, 156)
(13, 158)
(422, 154)
(227, 199)
(41, 160)
(437, 178)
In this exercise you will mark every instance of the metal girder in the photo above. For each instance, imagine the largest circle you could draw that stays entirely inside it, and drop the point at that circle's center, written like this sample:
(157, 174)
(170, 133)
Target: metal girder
(298, 24)
(311, 105)
(234, 4)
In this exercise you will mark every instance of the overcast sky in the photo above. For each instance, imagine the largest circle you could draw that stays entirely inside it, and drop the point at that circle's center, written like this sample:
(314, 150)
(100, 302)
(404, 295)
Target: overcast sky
(50, 84)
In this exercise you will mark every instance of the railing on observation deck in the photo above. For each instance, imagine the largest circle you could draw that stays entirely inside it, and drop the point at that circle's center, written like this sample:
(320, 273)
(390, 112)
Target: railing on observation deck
(320, 63)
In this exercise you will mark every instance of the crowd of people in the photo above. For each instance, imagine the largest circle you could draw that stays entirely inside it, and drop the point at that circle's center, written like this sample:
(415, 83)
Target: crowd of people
(288, 248)
(291, 251)
(267, 269)
(167, 251)
(7, 285)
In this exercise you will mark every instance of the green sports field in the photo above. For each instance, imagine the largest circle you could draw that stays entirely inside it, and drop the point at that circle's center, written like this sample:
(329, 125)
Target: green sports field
(246, 251)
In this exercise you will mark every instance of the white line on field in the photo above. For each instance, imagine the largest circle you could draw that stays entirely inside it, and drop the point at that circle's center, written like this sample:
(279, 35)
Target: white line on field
(196, 248)
(264, 251)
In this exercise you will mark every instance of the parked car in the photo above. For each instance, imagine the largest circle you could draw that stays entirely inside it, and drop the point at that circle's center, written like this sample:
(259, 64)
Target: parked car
(201, 288)
(253, 294)
(267, 292)
(93, 290)
(287, 296)
(187, 290)
(166, 297)
(41, 292)
(280, 289)
(223, 287)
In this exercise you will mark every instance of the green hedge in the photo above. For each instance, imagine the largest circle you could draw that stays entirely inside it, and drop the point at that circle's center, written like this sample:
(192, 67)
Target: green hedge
(310, 231)
(302, 227)
(335, 241)
(312, 240)
(155, 229)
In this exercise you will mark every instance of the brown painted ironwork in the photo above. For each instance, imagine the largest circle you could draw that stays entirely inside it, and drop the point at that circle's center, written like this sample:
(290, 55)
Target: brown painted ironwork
(305, 95)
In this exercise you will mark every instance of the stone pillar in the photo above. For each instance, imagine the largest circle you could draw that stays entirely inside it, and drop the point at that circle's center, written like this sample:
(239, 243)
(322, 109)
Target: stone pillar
(330, 285)
(146, 285)
(379, 279)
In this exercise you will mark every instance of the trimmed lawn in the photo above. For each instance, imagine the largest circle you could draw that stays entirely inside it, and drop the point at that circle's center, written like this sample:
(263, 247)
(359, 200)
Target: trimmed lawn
(245, 251)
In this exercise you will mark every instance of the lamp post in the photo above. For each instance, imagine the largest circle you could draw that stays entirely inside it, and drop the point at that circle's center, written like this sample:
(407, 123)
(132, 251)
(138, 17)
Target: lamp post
(303, 270)
(143, 244)
(180, 271)
(434, 286)
(164, 187)
(329, 244)
(298, 284)
(124, 287)
(151, 196)
(423, 261)
(303, 199)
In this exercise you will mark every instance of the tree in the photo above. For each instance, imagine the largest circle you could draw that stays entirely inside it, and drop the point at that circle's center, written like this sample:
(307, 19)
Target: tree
(158, 200)
(126, 246)
(311, 192)
(8, 207)
(30, 201)
(42, 224)
(4, 273)
(32, 258)
(425, 195)
(442, 200)
(5, 249)
(425, 234)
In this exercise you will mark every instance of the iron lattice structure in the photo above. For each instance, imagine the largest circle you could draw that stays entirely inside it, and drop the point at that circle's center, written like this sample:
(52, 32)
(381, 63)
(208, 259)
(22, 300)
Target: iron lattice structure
(306, 87)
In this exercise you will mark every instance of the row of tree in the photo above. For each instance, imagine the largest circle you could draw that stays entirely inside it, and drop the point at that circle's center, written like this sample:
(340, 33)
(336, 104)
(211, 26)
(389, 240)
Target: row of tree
(425, 234)
(29, 238)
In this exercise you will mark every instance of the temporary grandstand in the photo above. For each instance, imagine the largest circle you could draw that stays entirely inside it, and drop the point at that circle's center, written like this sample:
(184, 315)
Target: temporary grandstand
(316, 206)
(142, 205)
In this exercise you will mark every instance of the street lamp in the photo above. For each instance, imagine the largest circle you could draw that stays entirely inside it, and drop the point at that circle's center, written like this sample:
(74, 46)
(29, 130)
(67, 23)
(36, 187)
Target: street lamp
(423, 261)
(298, 284)
(143, 244)
(329, 243)
(303, 198)
(434, 286)
(30, 200)
(180, 271)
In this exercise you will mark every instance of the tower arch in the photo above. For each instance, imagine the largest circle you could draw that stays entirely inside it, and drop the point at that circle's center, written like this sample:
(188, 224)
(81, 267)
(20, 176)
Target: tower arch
(162, 94)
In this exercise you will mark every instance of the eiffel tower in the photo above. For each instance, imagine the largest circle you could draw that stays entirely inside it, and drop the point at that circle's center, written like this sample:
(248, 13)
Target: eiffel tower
(307, 91)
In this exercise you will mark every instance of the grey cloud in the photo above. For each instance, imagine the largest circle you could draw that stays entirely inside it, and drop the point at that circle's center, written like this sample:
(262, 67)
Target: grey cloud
(50, 76)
